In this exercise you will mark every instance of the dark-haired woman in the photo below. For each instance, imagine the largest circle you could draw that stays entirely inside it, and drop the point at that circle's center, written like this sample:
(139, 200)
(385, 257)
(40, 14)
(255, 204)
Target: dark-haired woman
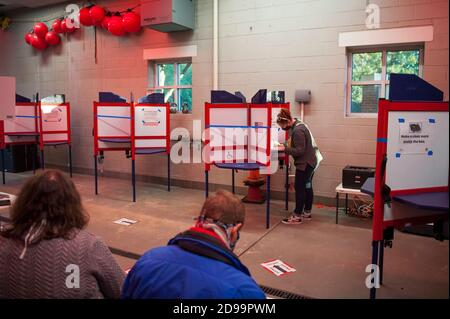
(46, 253)
(302, 147)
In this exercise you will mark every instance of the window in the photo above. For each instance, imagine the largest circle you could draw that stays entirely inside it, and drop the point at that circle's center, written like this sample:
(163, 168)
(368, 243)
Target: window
(369, 72)
(174, 79)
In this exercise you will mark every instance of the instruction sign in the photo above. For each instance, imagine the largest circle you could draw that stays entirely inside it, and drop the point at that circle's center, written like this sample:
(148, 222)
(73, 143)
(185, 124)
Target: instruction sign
(53, 115)
(278, 268)
(151, 117)
(415, 137)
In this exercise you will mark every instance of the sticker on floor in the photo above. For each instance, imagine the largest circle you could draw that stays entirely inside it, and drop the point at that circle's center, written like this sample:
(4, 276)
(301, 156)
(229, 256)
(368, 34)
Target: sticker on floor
(277, 267)
(125, 221)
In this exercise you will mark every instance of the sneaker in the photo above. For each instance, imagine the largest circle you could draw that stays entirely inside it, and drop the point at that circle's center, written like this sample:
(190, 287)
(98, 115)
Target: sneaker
(307, 216)
(292, 220)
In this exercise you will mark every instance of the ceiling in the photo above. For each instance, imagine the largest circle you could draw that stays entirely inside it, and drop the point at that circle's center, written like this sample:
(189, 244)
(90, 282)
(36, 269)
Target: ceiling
(7, 5)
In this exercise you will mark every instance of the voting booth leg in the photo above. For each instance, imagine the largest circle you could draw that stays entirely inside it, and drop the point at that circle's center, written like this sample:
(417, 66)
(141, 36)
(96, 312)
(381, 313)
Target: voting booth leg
(96, 174)
(133, 178)
(286, 207)
(346, 204)
(42, 160)
(168, 172)
(375, 251)
(268, 202)
(33, 161)
(3, 167)
(381, 261)
(206, 184)
(232, 182)
(337, 207)
(70, 160)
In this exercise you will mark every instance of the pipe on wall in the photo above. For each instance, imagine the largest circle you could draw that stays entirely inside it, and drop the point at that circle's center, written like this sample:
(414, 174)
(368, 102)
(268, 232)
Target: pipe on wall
(216, 45)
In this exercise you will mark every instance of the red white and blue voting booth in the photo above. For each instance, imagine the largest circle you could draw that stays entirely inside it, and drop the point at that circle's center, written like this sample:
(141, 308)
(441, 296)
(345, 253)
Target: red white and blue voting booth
(134, 128)
(39, 123)
(240, 136)
(412, 164)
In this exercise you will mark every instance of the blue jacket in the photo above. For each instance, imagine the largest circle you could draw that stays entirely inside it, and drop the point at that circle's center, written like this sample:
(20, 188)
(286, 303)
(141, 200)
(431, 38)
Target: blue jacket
(193, 266)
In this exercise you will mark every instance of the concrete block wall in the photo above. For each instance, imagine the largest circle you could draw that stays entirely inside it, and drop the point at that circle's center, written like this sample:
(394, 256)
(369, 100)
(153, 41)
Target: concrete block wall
(273, 44)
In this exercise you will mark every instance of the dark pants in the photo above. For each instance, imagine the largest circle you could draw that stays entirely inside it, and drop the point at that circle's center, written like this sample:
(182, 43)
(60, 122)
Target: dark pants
(303, 190)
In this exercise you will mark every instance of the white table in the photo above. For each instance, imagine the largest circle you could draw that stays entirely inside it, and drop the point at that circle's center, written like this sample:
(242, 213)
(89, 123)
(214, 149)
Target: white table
(347, 191)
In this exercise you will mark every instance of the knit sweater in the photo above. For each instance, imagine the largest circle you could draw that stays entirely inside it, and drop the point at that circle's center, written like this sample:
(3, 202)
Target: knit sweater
(43, 271)
(300, 146)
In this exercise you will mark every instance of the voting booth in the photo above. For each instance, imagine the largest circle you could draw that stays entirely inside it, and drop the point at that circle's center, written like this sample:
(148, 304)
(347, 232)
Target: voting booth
(37, 123)
(242, 136)
(412, 169)
(54, 128)
(133, 128)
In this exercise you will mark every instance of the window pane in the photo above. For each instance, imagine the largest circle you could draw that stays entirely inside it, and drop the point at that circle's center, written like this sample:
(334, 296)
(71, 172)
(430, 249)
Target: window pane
(366, 66)
(403, 62)
(185, 74)
(165, 74)
(387, 92)
(185, 98)
(365, 98)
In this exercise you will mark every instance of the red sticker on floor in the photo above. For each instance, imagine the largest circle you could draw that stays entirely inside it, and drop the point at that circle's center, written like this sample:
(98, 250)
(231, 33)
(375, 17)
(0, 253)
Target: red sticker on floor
(277, 267)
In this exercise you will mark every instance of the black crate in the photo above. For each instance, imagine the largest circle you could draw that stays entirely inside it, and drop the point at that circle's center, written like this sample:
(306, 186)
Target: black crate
(355, 176)
(19, 158)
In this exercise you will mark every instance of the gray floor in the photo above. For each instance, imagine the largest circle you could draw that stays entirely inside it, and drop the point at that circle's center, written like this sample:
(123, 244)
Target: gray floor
(330, 259)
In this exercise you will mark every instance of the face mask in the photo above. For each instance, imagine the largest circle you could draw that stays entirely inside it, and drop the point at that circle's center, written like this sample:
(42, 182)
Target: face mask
(227, 228)
(232, 245)
(287, 128)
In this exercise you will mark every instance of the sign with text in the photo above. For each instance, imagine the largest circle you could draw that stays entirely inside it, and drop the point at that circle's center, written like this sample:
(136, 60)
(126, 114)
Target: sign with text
(278, 267)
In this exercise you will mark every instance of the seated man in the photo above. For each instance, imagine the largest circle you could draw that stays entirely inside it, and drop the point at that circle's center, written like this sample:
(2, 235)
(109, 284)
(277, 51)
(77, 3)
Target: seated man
(198, 263)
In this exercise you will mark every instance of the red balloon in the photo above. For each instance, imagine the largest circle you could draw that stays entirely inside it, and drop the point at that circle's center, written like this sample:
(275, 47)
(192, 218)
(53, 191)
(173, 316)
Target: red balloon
(97, 13)
(52, 38)
(38, 43)
(40, 29)
(85, 17)
(28, 38)
(65, 25)
(56, 26)
(105, 22)
(115, 26)
(131, 22)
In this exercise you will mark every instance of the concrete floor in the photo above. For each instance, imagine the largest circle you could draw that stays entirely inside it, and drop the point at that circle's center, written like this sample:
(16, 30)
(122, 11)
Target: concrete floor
(330, 259)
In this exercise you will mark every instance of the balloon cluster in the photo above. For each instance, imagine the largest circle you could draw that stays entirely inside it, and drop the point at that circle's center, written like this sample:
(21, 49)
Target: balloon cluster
(118, 24)
(40, 37)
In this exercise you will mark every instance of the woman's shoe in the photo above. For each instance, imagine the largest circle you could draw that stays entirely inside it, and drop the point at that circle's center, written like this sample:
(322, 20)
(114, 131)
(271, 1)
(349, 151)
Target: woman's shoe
(293, 220)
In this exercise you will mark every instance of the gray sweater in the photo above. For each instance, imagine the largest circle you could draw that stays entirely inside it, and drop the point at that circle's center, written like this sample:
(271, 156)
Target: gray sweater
(42, 272)
(300, 147)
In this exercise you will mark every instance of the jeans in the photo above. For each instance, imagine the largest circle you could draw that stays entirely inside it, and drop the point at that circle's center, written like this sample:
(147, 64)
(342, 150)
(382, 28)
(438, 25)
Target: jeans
(303, 190)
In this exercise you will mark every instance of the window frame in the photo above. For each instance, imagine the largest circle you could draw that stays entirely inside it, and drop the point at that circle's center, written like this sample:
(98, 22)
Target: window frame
(156, 87)
(383, 82)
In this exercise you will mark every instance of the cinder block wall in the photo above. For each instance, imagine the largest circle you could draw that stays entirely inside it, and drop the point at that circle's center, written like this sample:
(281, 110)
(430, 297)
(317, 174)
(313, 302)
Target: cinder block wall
(276, 44)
